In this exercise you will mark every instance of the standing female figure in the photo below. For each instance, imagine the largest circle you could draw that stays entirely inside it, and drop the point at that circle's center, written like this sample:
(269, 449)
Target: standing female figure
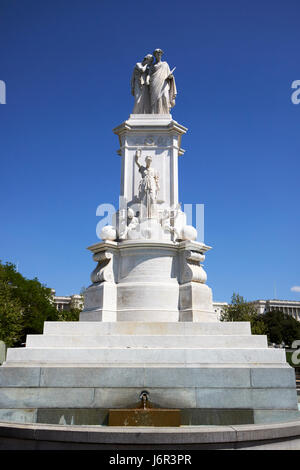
(140, 86)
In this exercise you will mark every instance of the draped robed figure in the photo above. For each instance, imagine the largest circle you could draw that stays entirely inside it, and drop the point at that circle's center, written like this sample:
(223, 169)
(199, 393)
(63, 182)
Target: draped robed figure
(140, 86)
(162, 86)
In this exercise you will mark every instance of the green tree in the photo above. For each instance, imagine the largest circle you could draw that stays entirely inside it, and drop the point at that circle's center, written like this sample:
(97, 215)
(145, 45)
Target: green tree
(281, 327)
(69, 315)
(241, 310)
(278, 326)
(30, 301)
(11, 320)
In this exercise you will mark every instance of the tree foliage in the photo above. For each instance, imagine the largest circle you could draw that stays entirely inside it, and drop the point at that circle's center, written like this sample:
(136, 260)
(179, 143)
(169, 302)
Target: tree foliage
(69, 315)
(281, 327)
(11, 320)
(278, 326)
(25, 304)
(238, 310)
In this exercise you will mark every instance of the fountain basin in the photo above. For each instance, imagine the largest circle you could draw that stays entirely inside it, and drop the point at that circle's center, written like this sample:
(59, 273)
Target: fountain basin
(144, 417)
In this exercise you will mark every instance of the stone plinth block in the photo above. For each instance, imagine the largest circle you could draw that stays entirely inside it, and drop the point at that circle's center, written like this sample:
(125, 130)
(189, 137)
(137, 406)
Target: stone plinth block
(146, 328)
(152, 281)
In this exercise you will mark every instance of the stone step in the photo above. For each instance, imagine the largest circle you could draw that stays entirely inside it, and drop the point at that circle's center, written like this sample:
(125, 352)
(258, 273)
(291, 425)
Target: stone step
(150, 341)
(137, 356)
(169, 397)
(146, 328)
(272, 376)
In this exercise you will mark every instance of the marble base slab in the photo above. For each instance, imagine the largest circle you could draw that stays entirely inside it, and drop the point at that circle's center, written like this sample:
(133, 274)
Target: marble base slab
(216, 367)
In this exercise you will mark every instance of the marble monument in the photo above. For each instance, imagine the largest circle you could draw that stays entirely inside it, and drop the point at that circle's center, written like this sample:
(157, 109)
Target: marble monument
(148, 321)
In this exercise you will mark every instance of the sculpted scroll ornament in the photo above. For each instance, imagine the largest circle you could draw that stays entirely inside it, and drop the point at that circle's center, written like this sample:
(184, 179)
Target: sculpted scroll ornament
(103, 271)
(192, 269)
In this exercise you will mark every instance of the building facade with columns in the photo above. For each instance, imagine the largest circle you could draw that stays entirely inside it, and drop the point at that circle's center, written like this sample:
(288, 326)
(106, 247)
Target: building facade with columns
(219, 308)
(65, 302)
(290, 307)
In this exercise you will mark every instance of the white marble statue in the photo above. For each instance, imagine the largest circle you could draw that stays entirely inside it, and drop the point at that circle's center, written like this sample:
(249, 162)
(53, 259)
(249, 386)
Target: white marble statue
(148, 187)
(108, 233)
(162, 86)
(132, 232)
(140, 86)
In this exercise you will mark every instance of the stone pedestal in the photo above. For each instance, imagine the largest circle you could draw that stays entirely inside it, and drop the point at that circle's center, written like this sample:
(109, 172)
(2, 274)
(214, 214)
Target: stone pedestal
(149, 264)
(148, 281)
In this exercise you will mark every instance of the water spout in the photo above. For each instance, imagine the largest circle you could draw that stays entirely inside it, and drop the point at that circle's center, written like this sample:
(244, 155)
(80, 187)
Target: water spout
(144, 397)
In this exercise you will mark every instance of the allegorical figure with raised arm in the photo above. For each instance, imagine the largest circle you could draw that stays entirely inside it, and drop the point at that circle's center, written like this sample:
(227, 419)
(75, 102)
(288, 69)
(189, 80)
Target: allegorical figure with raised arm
(140, 86)
(162, 85)
(148, 187)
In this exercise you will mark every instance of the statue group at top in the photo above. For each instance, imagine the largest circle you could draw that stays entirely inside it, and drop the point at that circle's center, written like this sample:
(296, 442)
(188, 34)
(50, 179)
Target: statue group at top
(149, 206)
(153, 85)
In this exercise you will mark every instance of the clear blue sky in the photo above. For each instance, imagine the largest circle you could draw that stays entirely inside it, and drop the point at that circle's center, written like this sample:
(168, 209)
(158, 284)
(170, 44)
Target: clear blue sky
(67, 67)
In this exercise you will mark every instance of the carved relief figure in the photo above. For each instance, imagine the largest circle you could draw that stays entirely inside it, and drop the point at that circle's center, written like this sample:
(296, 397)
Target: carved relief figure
(148, 187)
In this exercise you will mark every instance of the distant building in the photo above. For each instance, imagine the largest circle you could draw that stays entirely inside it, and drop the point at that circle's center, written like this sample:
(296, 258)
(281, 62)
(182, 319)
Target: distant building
(290, 307)
(63, 302)
(219, 308)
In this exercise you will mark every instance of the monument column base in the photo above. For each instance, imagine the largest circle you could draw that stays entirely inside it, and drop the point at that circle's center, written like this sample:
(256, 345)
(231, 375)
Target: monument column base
(100, 303)
(191, 296)
(148, 280)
